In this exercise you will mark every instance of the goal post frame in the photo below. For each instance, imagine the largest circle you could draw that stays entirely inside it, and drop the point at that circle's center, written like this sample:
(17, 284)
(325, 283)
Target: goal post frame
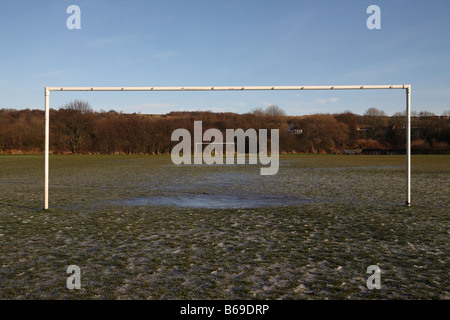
(406, 87)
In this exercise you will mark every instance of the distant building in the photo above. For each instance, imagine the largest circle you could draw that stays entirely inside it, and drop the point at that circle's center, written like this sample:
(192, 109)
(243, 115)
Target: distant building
(353, 151)
(291, 129)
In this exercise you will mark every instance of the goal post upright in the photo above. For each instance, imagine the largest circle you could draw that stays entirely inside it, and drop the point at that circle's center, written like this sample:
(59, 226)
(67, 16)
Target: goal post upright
(408, 145)
(406, 87)
(47, 143)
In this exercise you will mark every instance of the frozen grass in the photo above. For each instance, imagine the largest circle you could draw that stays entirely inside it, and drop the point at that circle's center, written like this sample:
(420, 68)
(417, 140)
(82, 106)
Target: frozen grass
(351, 216)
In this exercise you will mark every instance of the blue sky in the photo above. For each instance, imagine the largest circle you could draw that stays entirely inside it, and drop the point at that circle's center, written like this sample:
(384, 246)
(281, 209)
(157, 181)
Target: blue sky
(226, 43)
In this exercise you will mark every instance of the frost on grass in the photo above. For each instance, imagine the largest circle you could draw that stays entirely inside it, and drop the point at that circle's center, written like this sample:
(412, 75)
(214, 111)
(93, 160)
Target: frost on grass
(318, 249)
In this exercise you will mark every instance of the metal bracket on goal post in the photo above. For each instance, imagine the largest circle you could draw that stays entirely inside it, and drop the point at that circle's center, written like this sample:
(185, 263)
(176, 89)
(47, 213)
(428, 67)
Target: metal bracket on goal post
(406, 87)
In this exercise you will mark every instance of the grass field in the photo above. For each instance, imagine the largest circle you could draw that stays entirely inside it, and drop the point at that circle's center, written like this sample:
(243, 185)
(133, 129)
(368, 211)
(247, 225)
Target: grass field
(325, 219)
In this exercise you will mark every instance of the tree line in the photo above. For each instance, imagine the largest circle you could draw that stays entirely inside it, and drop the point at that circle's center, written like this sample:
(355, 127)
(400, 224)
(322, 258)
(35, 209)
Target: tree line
(76, 128)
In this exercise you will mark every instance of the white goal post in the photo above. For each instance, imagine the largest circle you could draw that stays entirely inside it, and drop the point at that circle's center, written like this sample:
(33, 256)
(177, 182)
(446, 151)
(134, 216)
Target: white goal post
(406, 87)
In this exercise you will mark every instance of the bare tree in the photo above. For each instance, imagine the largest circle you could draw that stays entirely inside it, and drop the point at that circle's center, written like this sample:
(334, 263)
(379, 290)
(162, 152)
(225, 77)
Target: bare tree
(82, 107)
(426, 114)
(75, 121)
(374, 112)
(259, 112)
(399, 114)
(274, 111)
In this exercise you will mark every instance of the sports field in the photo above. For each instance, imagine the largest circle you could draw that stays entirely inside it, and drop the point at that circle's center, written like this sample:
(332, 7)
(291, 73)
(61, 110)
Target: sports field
(140, 227)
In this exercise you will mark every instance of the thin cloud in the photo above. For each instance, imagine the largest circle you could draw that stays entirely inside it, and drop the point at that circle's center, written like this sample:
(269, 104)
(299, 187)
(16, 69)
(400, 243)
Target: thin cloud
(108, 41)
(326, 101)
(320, 102)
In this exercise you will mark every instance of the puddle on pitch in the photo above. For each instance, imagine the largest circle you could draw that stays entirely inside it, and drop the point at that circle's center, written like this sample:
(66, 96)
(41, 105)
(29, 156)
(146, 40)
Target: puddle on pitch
(213, 201)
